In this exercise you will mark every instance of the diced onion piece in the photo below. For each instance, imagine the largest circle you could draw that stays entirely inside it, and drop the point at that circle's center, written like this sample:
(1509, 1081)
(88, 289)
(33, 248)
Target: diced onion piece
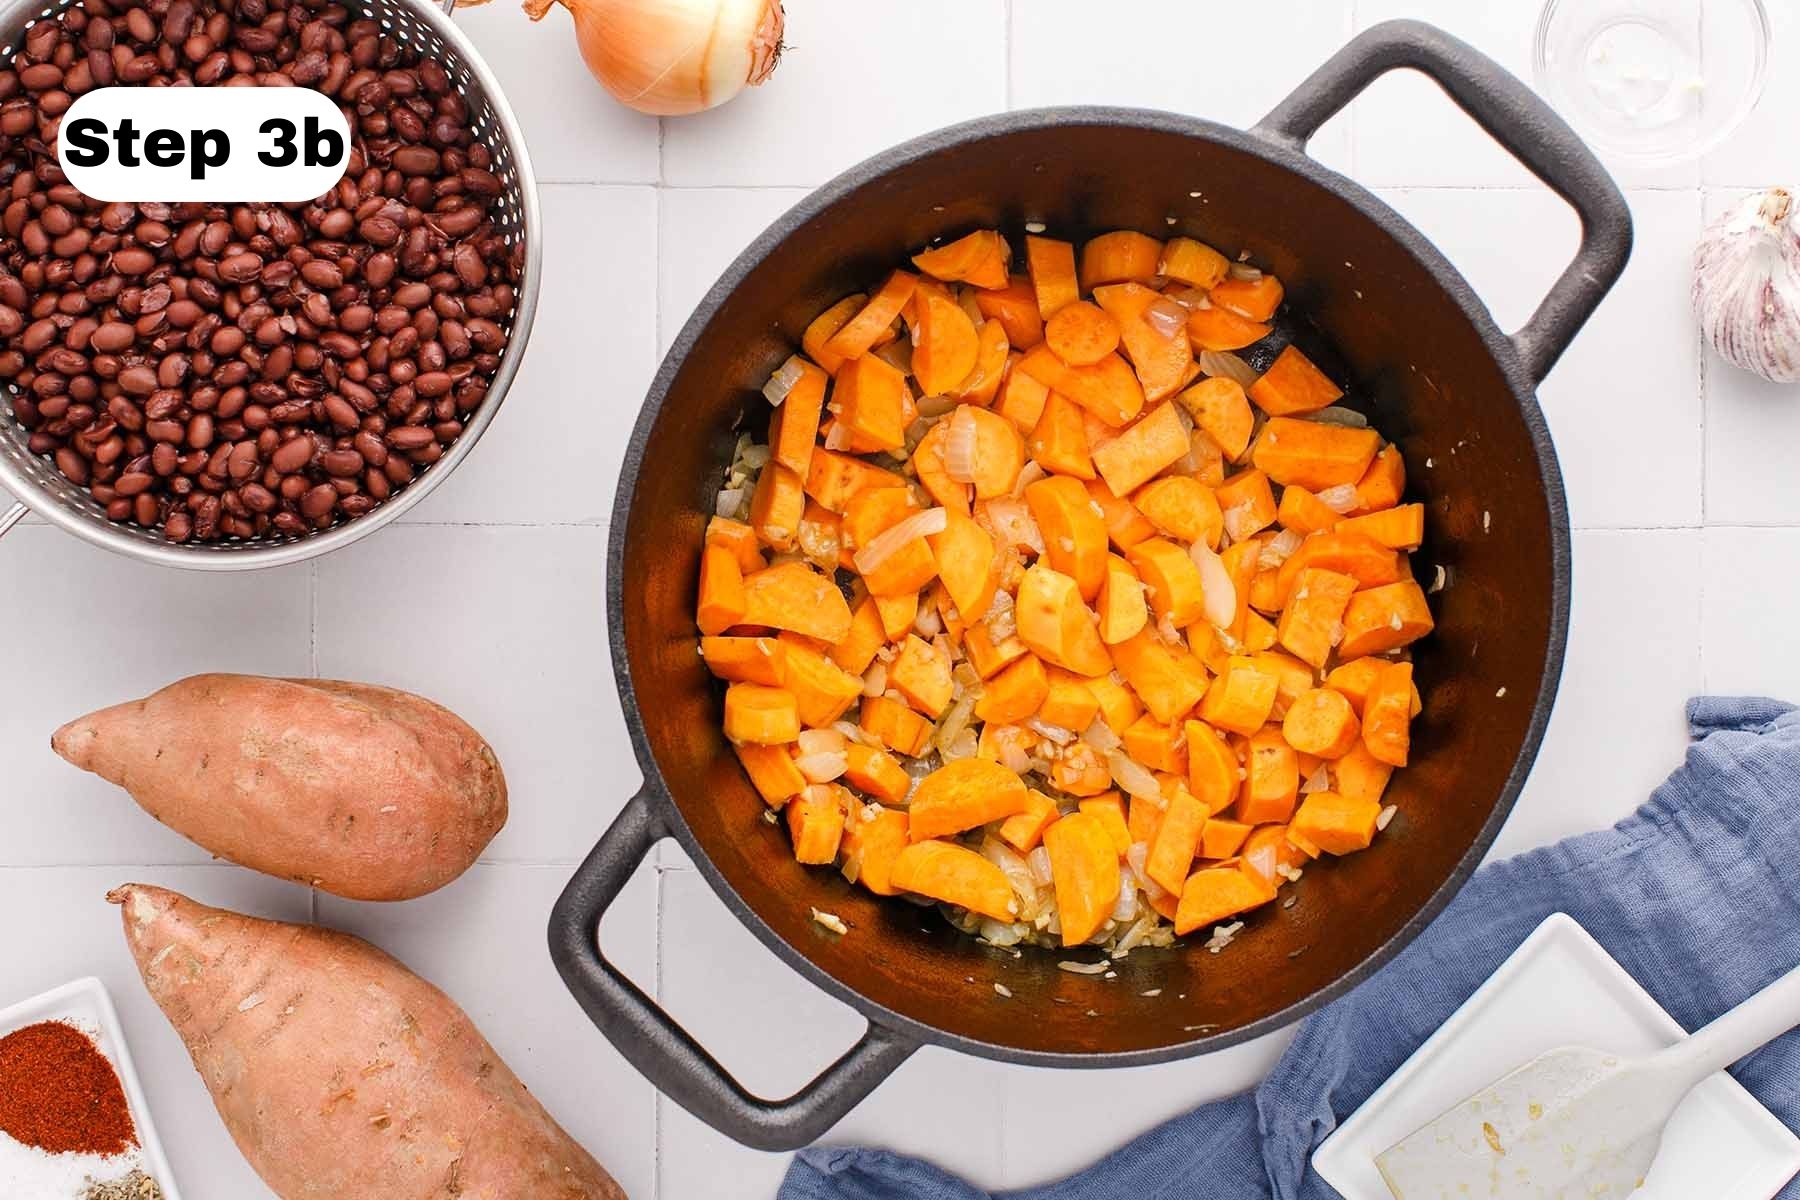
(1244, 271)
(1126, 906)
(822, 768)
(1277, 549)
(730, 502)
(1038, 861)
(926, 622)
(1223, 362)
(1337, 414)
(897, 354)
(1137, 856)
(937, 406)
(890, 541)
(960, 445)
(1318, 781)
(1054, 733)
(1192, 297)
(1133, 776)
(1240, 521)
(783, 380)
(839, 437)
(1012, 751)
(1013, 866)
(1030, 474)
(1339, 499)
(963, 745)
(875, 679)
(1100, 736)
(1081, 968)
(755, 457)
(950, 731)
(820, 741)
(1012, 521)
(1166, 317)
(1217, 592)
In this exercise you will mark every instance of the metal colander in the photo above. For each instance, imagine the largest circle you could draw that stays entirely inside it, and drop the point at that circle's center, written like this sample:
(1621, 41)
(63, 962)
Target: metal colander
(41, 488)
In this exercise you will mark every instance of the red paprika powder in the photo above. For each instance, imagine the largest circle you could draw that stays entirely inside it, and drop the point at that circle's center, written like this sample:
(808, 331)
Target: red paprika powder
(60, 1094)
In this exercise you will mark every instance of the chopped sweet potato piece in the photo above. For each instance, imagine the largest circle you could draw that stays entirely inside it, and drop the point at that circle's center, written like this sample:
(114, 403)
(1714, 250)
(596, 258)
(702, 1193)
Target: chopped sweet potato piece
(1315, 609)
(1015, 307)
(1025, 829)
(1053, 622)
(1158, 746)
(1385, 618)
(945, 344)
(1222, 838)
(1058, 443)
(791, 595)
(1253, 299)
(1118, 256)
(794, 425)
(1125, 525)
(1401, 528)
(1118, 705)
(1163, 361)
(982, 384)
(1313, 454)
(1177, 841)
(873, 839)
(772, 772)
(1362, 558)
(964, 557)
(922, 675)
(1292, 384)
(1336, 824)
(1218, 406)
(897, 614)
(1387, 715)
(1211, 895)
(1168, 680)
(1108, 388)
(870, 400)
(738, 538)
(1021, 398)
(997, 743)
(1383, 483)
(1140, 452)
(745, 659)
(1122, 609)
(856, 649)
(833, 479)
(816, 821)
(928, 463)
(1218, 328)
(1051, 264)
(898, 727)
(1360, 774)
(1271, 779)
(1015, 693)
(1182, 507)
(963, 794)
(1292, 677)
(1171, 581)
(1084, 866)
(1081, 333)
(1304, 512)
(986, 655)
(1213, 771)
(1109, 810)
(1069, 702)
(979, 258)
(1267, 856)
(1193, 263)
(777, 505)
(1321, 721)
(822, 690)
(873, 322)
(722, 601)
(955, 875)
(825, 325)
(1240, 698)
(1074, 535)
(876, 772)
(760, 714)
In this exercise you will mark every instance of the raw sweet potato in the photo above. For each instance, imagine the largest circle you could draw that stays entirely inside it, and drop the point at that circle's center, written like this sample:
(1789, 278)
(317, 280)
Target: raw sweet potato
(1084, 864)
(362, 791)
(337, 1071)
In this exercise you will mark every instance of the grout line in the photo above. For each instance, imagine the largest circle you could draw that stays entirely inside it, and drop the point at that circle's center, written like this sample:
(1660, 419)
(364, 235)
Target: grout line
(656, 1109)
(312, 618)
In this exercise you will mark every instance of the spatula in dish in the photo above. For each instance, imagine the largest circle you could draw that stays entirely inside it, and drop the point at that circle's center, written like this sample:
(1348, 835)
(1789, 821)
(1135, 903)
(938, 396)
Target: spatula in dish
(1576, 1122)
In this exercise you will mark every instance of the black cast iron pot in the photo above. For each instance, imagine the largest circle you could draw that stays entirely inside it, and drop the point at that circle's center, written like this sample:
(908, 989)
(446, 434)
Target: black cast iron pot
(1427, 363)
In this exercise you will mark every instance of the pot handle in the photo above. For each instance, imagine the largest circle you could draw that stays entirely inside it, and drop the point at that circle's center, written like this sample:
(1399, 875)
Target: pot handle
(665, 1053)
(1516, 118)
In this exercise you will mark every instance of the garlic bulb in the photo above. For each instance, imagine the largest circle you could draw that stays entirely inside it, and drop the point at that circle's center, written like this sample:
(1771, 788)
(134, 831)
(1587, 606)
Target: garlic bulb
(1747, 286)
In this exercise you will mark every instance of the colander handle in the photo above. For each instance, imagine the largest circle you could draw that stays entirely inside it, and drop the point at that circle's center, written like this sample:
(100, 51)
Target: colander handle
(11, 517)
(664, 1052)
(1516, 118)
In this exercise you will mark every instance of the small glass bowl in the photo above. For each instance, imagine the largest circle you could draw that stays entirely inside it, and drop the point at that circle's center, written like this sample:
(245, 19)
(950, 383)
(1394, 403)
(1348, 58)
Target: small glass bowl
(1652, 82)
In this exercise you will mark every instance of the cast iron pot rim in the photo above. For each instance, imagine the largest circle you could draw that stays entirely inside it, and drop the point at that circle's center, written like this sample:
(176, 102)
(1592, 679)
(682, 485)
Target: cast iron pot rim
(655, 791)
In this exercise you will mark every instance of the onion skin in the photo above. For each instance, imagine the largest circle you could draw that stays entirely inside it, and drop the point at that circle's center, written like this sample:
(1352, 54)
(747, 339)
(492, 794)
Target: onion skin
(1747, 286)
(670, 58)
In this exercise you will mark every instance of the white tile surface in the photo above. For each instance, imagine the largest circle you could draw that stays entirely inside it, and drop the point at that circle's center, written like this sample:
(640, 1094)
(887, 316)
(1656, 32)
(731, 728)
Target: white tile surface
(1200, 59)
(591, 357)
(492, 600)
(507, 628)
(573, 129)
(1760, 152)
(1747, 624)
(841, 93)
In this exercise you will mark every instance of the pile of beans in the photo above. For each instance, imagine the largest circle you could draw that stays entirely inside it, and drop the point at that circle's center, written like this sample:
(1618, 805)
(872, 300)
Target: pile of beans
(248, 370)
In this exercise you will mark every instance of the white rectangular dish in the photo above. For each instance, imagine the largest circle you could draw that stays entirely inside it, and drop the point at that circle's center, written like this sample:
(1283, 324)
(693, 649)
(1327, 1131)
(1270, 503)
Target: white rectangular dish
(85, 1004)
(1561, 988)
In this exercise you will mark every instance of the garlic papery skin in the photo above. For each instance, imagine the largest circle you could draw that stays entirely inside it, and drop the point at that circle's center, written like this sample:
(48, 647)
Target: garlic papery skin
(1747, 285)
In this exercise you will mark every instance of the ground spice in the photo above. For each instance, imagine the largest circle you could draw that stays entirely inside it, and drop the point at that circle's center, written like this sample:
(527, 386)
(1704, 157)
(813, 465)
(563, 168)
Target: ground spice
(60, 1094)
(135, 1186)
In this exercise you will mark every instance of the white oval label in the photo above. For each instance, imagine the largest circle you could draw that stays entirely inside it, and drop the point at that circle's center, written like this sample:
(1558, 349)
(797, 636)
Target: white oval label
(228, 144)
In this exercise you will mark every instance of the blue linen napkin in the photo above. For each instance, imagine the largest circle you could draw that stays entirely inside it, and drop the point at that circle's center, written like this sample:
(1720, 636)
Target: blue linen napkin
(1697, 894)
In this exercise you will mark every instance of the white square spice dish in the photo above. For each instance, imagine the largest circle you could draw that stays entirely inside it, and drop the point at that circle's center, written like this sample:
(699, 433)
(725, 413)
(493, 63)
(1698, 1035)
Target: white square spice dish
(85, 1004)
(1561, 988)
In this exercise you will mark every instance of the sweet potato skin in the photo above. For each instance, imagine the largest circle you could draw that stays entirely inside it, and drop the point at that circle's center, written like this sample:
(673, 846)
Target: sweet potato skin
(363, 791)
(337, 1071)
